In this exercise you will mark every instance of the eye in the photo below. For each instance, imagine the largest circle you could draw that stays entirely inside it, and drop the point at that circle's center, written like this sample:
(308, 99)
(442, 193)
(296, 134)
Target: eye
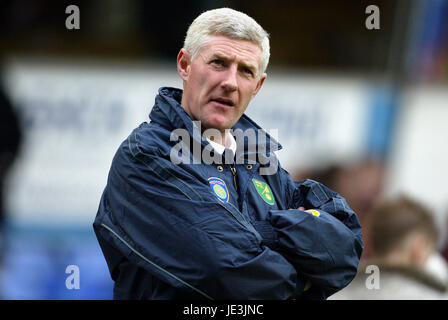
(248, 71)
(217, 62)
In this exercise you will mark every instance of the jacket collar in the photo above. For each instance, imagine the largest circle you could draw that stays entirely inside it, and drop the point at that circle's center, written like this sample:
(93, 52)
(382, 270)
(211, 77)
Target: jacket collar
(169, 113)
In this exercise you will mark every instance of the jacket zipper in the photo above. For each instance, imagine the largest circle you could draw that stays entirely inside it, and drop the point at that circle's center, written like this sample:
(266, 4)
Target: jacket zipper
(233, 169)
(243, 222)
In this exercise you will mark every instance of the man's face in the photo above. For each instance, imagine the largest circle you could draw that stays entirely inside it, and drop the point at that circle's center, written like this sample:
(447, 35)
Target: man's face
(220, 82)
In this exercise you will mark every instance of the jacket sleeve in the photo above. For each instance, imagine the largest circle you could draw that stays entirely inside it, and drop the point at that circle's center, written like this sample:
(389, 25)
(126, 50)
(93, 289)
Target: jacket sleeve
(162, 219)
(324, 244)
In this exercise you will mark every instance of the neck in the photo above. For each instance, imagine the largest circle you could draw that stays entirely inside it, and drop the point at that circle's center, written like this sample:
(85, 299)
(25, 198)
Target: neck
(221, 138)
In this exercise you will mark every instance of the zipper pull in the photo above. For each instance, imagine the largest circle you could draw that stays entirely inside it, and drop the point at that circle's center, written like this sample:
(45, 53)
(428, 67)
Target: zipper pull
(233, 169)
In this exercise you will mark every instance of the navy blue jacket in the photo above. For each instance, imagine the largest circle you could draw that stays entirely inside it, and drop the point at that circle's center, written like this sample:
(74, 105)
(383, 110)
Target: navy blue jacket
(218, 231)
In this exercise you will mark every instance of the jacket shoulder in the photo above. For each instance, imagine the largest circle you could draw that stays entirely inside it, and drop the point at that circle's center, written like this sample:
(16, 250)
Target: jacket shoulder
(149, 138)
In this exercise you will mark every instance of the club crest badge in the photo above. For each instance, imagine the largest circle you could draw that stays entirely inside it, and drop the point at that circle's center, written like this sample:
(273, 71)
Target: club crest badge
(219, 188)
(264, 191)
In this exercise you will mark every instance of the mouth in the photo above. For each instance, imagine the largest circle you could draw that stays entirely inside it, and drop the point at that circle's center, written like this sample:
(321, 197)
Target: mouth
(223, 101)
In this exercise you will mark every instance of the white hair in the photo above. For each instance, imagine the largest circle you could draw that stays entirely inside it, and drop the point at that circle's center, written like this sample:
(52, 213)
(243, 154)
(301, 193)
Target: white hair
(230, 23)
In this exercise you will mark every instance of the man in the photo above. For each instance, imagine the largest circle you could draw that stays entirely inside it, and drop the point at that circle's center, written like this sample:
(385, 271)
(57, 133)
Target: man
(403, 237)
(233, 228)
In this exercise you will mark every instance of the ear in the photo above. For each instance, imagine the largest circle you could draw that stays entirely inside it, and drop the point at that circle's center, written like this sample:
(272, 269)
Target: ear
(259, 84)
(183, 64)
(421, 250)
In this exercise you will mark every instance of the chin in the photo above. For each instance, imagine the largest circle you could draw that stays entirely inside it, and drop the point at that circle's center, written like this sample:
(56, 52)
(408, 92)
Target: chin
(216, 124)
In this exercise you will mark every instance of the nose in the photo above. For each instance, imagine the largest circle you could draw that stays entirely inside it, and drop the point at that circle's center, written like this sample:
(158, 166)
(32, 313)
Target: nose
(230, 81)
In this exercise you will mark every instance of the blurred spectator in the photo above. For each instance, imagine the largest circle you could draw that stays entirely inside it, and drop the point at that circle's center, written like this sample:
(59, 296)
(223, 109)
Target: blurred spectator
(438, 266)
(444, 248)
(403, 237)
(360, 183)
(438, 262)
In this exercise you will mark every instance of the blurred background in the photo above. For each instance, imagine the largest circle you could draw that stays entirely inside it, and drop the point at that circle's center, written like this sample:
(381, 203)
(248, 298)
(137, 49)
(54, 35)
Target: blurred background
(363, 111)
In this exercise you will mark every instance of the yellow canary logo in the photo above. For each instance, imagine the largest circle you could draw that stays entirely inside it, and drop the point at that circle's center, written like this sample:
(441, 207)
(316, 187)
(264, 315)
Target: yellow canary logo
(264, 191)
(313, 212)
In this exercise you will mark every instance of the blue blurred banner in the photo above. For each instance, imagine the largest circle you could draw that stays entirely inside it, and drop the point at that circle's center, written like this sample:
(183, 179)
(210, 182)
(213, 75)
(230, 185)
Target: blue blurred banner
(36, 259)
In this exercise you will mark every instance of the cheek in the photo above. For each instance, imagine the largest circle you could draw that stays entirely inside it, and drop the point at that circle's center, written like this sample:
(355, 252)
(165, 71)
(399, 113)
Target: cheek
(203, 82)
(197, 85)
(248, 93)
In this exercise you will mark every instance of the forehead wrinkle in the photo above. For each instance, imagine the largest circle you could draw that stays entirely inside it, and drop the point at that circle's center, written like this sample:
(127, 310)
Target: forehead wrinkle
(237, 44)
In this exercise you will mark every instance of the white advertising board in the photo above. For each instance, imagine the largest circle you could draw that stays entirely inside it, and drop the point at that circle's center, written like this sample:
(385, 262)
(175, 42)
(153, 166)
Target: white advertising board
(419, 160)
(76, 115)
